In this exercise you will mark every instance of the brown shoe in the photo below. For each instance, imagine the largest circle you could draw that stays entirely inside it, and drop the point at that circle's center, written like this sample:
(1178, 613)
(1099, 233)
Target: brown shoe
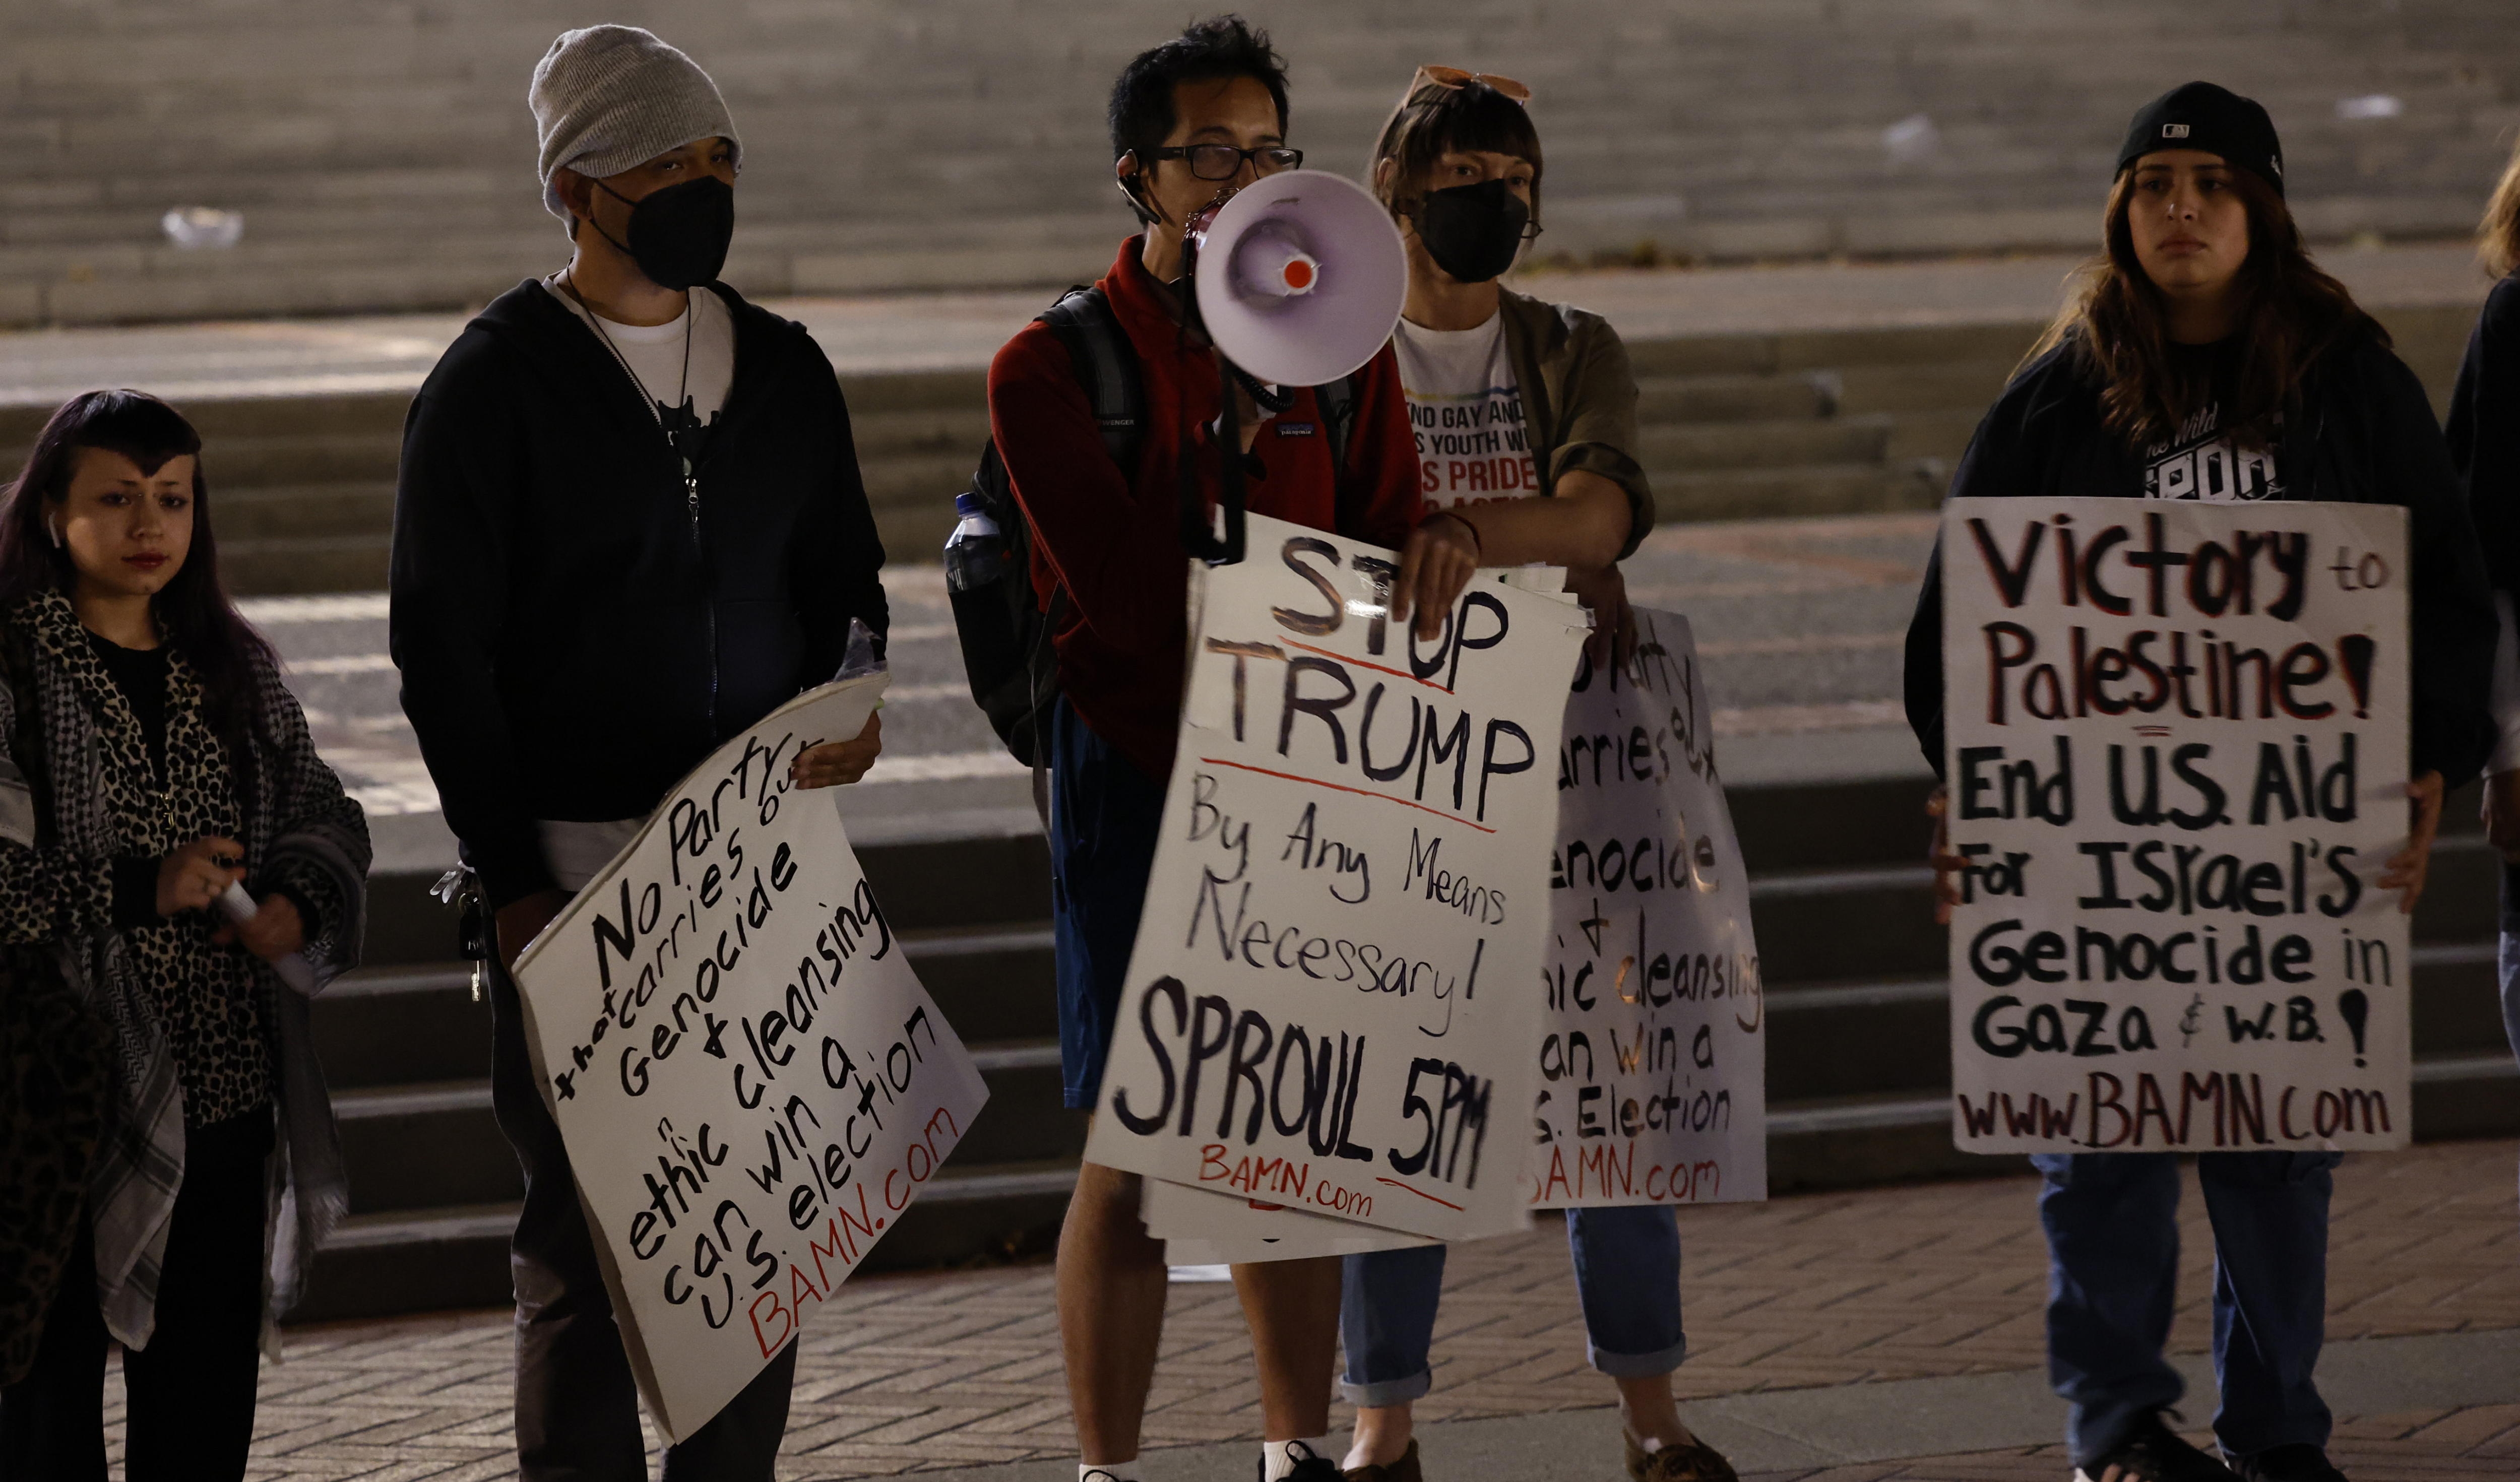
(1403, 1470)
(1693, 1461)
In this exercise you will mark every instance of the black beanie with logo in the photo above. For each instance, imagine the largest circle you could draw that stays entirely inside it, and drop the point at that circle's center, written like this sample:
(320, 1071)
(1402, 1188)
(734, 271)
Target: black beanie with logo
(2199, 115)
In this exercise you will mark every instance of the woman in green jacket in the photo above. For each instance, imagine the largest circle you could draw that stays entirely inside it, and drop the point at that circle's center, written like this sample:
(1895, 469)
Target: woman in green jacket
(1526, 420)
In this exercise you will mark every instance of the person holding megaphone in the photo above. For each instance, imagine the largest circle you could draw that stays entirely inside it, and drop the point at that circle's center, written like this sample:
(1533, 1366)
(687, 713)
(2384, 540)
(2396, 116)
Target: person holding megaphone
(1526, 418)
(1102, 490)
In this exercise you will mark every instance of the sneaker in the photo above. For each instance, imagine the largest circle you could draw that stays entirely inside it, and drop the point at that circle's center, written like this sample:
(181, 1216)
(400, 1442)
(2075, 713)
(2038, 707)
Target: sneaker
(2153, 1453)
(1310, 1465)
(1692, 1461)
(2298, 1463)
(1403, 1470)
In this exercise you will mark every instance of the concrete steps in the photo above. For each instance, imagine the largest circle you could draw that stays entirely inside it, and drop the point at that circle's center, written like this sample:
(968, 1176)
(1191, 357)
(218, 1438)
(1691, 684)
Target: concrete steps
(1733, 426)
(381, 152)
(1858, 1056)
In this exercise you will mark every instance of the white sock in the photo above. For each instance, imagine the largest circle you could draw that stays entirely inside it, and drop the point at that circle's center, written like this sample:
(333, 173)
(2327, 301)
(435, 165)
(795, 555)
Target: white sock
(1278, 1458)
(1087, 1471)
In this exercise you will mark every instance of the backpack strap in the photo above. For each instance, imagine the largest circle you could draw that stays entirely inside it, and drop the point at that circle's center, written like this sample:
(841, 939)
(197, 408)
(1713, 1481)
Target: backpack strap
(1106, 367)
(1337, 402)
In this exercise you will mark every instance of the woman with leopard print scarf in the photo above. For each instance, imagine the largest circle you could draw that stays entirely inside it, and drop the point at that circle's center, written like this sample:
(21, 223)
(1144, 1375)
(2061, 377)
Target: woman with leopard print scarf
(154, 758)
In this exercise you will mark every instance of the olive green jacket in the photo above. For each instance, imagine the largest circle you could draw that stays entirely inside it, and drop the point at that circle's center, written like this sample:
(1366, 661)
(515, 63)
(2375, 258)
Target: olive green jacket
(1579, 400)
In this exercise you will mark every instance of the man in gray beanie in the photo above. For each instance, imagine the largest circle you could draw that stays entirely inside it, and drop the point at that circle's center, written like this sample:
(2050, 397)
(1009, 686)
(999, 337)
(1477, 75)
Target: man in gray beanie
(629, 524)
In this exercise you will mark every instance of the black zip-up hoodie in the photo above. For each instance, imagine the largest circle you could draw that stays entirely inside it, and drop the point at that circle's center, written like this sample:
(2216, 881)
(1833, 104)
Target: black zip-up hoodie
(576, 630)
(2361, 432)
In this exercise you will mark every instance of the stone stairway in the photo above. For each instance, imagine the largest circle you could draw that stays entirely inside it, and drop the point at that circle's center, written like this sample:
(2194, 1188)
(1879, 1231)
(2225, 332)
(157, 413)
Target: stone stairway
(1859, 1066)
(380, 153)
(1735, 427)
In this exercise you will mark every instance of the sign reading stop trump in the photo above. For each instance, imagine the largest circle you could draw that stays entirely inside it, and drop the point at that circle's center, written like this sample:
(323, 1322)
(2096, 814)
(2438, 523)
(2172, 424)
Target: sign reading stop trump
(1330, 1003)
(2176, 763)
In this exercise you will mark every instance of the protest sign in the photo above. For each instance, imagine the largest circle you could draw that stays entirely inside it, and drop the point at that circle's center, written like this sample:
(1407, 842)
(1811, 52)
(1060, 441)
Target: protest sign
(1204, 1228)
(1653, 1060)
(1327, 1005)
(2177, 747)
(751, 1084)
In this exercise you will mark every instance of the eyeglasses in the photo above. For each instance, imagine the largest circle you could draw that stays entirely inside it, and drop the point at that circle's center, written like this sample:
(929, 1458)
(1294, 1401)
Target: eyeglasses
(1223, 161)
(1452, 80)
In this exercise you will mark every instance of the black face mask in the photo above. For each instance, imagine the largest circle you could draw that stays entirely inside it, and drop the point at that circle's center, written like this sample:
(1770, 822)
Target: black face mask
(1472, 231)
(679, 235)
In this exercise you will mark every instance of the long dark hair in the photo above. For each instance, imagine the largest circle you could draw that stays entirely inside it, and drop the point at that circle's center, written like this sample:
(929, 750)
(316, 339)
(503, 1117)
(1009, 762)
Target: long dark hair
(192, 610)
(2293, 313)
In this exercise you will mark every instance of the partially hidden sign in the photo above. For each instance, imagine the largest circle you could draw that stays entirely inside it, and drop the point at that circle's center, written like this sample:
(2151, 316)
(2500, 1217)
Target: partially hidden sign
(2176, 748)
(1653, 1065)
(751, 1083)
(1329, 1004)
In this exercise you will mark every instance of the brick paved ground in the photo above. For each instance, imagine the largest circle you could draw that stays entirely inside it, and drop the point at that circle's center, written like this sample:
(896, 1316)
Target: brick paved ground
(2479, 1442)
(955, 1368)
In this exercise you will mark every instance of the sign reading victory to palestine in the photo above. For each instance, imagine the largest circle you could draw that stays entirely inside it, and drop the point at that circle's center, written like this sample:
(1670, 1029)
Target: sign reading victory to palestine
(1653, 1066)
(751, 1083)
(2177, 765)
(1328, 1006)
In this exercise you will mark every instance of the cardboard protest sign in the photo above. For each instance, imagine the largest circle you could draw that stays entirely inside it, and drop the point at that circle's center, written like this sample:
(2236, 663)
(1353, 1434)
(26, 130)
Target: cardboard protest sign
(751, 1083)
(1326, 1005)
(1653, 1060)
(2177, 745)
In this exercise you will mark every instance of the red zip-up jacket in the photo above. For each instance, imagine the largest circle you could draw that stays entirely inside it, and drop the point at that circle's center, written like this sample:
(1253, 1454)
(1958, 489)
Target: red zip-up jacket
(1113, 539)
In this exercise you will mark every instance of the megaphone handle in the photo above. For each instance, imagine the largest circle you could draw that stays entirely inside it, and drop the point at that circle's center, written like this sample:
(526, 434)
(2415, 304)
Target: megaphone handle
(1229, 424)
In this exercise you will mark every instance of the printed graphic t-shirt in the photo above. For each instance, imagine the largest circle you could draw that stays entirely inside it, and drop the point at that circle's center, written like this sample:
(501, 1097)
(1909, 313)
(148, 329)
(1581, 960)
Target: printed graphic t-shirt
(1466, 410)
(2200, 463)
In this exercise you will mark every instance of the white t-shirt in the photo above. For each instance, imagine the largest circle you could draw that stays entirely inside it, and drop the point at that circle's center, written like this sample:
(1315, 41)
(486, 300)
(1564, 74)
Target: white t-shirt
(654, 352)
(1466, 410)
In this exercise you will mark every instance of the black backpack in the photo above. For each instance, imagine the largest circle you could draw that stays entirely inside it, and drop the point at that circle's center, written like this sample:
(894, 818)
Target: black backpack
(1006, 635)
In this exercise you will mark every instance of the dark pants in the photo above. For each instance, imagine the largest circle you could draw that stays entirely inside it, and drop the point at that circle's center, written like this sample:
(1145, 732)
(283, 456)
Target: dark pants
(190, 1393)
(577, 1404)
(2112, 1222)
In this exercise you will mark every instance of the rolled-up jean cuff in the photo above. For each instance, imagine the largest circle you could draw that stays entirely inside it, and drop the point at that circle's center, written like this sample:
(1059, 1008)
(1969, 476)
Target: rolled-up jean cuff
(1389, 1391)
(1638, 1366)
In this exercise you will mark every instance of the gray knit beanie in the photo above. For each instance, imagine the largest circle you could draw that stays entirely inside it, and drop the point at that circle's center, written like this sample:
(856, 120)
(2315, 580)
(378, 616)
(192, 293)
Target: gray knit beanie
(611, 96)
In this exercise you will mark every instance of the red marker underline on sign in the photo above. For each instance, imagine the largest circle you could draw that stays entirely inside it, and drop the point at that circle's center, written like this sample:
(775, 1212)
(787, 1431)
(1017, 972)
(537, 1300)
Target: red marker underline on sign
(1218, 762)
(1363, 664)
(1420, 1192)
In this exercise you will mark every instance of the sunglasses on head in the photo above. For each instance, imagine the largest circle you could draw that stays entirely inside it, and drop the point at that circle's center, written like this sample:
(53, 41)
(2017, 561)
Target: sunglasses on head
(1452, 80)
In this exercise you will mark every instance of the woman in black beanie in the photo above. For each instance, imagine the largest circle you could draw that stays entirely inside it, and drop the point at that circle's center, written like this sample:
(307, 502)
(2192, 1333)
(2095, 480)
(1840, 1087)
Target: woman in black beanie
(2208, 358)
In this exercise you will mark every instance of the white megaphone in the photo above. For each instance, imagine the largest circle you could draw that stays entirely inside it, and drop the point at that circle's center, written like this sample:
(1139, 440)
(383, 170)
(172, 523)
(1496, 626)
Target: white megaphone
(1300, 277)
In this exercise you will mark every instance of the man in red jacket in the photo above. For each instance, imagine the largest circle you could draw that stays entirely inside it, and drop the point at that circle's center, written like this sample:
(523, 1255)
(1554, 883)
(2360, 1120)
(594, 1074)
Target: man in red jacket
(1201, 114)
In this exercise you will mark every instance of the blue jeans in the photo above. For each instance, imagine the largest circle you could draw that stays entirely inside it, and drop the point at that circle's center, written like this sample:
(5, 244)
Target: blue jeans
(2112, 1222)
(1627, 1275)
(1105, 817)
